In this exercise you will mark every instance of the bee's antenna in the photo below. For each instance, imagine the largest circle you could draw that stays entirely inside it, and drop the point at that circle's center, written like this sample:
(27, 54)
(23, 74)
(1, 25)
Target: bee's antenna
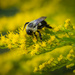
(25, 25)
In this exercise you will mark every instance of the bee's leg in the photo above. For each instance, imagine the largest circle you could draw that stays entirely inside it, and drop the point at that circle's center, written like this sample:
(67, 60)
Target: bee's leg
(48, 26)
(40, 35)
(25, 25)
(35, 35)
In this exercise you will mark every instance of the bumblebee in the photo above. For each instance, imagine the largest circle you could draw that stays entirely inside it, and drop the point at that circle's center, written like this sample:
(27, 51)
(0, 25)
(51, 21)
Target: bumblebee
(35, 25)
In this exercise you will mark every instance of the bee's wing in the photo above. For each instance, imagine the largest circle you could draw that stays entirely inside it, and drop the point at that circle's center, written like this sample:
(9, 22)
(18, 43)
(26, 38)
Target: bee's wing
(39, 20)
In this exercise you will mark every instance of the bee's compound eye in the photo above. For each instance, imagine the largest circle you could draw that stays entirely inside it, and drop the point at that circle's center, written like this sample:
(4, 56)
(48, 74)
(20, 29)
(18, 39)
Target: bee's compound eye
(29, 32)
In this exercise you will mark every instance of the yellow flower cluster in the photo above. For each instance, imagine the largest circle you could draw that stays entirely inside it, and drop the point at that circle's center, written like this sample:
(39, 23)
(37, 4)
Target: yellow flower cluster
(2, 39)
(35, 49)
(73, 27)
(56, 29)
(9, 46)
(73, 71)
(67, 21)
(71, 55)
(43, 44)
(27, 54)
(68, 24)
(37, 56)
(35, 70)
(71, 51)
(70, 65)
(53, 62)
(34, 40)
(43, 65)
(49, 61)
(70, 33)
(60, 58)
(52, 38)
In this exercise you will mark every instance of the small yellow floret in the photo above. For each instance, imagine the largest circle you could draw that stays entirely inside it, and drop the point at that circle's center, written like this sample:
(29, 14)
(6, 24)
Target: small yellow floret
(3, 39)
(73, 27)
(37, 46)
(70, 65)
(41, 67)
(35, 69)
(43, 44)
(66, 25)
(73, 71)
(71, 51)
(56, 29)
(68, 56)
(9, 46)
(50, 60)
(22, 46)
(52, 38)
(67, 21)
(34, 40)
(60, 58)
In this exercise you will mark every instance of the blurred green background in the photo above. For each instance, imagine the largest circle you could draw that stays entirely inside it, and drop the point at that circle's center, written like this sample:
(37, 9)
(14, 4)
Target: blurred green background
(14, 14)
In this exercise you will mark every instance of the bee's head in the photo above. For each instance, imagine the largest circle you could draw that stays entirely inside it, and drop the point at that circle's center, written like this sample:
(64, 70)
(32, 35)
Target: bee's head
(29, 32)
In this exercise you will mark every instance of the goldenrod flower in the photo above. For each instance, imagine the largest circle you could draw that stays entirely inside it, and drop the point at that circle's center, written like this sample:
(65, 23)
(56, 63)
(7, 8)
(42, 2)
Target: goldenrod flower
(67, 66)
(52, 38)
(9, 46)
(33, 52)
(66, 25)
(71, 51)
(60, 58)
(23, 46)
(70, 56)
(49, 41)
(43, 44)
(56, 29)
(22, 41)
(33, 55)
(70, 33)
(41, 66)
(10, 35)
(7, 41)
(22, 33)
(49, 62)
(37, 46)
(70, 65)
(66, 35)
(3, 39)
(34, 40)
(67, 21)
(73, 27)
(35, 69)
(73, 71)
